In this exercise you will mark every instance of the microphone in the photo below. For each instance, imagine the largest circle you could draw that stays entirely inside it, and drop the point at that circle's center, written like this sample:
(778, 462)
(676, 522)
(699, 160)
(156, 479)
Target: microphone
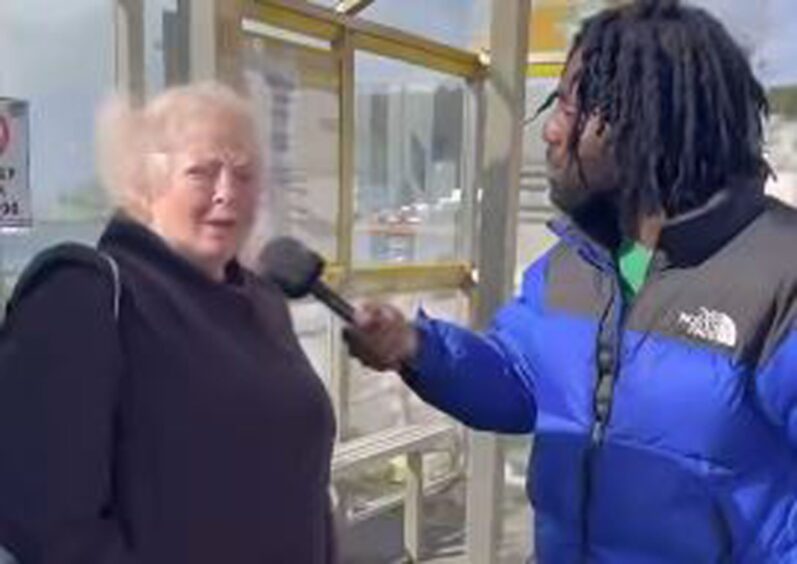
(297, 271)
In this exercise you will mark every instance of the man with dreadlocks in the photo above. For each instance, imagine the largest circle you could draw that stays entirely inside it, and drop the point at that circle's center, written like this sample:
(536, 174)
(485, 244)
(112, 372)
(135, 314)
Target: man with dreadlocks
(653, 350)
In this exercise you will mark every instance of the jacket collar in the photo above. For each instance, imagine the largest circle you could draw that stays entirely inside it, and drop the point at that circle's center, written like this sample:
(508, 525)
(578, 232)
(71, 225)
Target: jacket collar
(685, 240)
(130, 237)
(694, 236)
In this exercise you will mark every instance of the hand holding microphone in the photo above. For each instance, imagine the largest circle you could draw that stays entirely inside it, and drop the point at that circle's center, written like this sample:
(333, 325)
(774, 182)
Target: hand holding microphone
(378, 334)
(381, 338)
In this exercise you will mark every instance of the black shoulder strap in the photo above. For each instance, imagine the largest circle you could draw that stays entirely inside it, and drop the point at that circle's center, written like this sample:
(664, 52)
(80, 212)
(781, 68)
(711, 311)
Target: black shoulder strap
(69, 253)
(116, 279)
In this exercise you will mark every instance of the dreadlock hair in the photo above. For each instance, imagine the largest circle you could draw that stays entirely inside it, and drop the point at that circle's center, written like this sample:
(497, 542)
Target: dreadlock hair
(683, 108)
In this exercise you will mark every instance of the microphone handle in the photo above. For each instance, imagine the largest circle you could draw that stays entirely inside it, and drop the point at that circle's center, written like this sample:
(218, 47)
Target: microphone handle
(333, 300)
(346, 312)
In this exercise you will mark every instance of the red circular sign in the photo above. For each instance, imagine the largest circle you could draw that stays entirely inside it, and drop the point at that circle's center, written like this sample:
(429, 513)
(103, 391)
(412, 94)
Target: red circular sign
(5, 134)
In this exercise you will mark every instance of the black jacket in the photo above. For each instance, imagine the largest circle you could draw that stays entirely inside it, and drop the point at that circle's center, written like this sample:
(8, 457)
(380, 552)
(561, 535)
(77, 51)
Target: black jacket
(191, 430)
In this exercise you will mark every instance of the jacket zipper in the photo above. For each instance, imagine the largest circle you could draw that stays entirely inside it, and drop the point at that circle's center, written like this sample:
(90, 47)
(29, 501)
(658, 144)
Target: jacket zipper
(608, 372)
(601, 411)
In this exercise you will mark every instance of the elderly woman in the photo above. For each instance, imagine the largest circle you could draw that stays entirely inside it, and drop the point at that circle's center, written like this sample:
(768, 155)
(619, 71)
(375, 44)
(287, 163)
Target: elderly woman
(187, 427)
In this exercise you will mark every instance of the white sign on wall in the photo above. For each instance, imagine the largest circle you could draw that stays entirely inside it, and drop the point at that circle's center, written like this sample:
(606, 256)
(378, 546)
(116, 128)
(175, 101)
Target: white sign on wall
(15, 203)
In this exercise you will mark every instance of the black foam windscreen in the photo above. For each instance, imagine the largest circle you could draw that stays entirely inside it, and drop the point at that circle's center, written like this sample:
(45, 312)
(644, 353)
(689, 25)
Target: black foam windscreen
(290, 265)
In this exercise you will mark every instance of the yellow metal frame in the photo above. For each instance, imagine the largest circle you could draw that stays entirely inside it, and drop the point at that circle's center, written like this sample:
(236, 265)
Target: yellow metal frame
(293, 16)
(388, 42)
(346, 35)
(352, 7)
(327, 24)
(546, 65)
(544, 70)
(404, 278)
(347, 99)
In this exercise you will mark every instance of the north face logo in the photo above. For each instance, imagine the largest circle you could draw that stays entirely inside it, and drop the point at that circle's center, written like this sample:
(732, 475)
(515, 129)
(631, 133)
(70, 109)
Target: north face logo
(709, 325)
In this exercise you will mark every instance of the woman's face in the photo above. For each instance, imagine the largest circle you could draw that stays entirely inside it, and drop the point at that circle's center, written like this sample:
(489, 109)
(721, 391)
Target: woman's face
(204, 203)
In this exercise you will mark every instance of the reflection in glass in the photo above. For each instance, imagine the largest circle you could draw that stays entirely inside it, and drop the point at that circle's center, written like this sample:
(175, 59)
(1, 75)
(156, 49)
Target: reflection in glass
(297, 88)
(411, 174)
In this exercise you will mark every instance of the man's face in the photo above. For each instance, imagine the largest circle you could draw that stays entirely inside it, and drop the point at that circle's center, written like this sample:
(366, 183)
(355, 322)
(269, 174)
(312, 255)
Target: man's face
(593, 172)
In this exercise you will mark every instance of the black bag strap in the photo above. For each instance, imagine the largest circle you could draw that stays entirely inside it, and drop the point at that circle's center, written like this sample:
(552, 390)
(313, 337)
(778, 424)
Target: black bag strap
(42, 263)
(70, 253)
(116, 279)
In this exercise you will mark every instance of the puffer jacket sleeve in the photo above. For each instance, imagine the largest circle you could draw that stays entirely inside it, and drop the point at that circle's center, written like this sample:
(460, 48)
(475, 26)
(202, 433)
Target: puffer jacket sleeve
(60, 366)
(484, 380)
(776, 385)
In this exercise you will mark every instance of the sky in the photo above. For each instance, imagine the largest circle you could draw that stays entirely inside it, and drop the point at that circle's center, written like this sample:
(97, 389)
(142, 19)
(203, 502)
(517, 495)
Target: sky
(59, 56)
(767, 29)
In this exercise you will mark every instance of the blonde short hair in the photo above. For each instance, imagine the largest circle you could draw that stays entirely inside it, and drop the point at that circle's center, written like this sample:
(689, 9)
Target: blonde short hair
(127, 133)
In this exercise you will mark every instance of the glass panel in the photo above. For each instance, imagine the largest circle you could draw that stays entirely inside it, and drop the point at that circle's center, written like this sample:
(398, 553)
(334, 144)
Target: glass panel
(534, 237)
(379, 537)
(297, 87)
(64, 86)
(783, 144)
(379, 401)
(412, 152)
(313, 324)
(165, 44)
(460, 23)
(517, 529)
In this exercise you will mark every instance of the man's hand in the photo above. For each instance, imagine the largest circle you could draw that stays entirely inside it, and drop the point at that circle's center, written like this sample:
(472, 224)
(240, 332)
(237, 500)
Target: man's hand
(381, 338)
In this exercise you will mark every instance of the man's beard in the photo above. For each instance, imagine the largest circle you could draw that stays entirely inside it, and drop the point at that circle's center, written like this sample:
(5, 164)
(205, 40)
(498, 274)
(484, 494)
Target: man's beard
(570, 200)
(597, 212)
(581, 182)
(574, 201)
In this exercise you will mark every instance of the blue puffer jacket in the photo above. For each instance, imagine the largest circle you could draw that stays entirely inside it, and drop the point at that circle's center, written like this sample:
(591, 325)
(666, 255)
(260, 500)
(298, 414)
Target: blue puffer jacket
(666, 429)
